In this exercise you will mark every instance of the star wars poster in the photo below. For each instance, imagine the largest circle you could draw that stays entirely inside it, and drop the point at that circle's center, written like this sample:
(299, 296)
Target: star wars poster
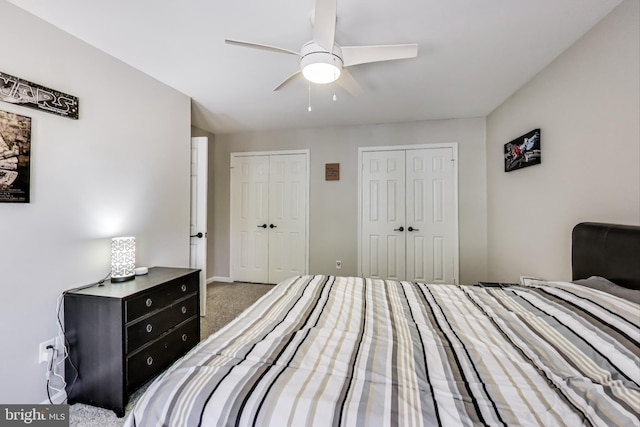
(15, 154)
(27, 94)
(523, 151)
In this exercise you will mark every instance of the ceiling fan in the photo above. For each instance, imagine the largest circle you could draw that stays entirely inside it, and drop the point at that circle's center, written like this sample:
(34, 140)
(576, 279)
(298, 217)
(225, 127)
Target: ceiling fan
(323, 61)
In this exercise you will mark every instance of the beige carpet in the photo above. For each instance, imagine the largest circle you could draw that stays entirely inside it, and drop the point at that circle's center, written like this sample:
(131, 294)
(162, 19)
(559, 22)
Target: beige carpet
(225, 301)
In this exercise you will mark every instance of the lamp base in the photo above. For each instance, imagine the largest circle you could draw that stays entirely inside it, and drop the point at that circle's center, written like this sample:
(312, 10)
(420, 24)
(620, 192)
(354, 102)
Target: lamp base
(122, 279)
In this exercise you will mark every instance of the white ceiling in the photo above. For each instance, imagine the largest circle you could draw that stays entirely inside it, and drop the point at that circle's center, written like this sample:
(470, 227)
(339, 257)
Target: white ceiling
(472, 54)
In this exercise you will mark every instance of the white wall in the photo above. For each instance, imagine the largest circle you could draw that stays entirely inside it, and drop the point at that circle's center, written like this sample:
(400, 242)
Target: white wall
(587, 104)
(121, 169)
(333, 204)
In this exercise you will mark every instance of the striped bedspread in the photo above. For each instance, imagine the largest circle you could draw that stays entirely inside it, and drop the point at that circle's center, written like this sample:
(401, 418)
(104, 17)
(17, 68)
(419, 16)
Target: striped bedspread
(343, 351)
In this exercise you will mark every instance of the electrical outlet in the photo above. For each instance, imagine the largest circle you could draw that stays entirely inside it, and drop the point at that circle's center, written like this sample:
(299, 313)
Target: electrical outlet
(45, 353)
(338, 265)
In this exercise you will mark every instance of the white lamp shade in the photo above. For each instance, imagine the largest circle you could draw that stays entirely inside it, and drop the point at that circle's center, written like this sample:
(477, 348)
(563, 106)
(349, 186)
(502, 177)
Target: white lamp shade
(319, 65)
(123, 258)
(321, 72)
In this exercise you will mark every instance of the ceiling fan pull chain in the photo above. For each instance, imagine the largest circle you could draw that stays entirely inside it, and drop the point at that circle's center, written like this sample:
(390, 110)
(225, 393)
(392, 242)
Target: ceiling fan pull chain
(335, 77)
(309, 97)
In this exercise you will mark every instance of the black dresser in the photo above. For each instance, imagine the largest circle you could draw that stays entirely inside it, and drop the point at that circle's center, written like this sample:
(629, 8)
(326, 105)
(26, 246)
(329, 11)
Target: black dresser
(123, 334)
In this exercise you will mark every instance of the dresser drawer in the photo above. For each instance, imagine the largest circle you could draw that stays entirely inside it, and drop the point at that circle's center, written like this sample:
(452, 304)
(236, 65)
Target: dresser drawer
(160, 297)
(149, 361)
(149, 328)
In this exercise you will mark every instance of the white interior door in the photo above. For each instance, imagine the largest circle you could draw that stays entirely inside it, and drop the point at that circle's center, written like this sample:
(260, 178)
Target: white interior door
(198, 229)
(287, 216)
(250, 219)
(431, 218)
(269, 216)
(383, 214)
(408, 213)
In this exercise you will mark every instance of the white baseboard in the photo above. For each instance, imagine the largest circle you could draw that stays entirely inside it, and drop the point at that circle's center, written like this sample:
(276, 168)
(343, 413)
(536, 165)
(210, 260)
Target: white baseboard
(58, 398)
(219, 279)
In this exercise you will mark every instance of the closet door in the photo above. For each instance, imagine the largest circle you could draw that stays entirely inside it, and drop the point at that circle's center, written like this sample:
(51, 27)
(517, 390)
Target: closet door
(430, 216)
(383, 214)
(408, 223)
(287, 216)
(250, 219)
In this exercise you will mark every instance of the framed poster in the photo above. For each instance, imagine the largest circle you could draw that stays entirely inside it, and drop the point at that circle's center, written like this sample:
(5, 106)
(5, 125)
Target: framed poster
(27, 94)
(523, 151)
(15, 156)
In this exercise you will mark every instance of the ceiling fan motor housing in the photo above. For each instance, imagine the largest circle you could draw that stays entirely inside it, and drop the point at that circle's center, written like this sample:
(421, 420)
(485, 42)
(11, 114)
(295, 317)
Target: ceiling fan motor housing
(318, 65)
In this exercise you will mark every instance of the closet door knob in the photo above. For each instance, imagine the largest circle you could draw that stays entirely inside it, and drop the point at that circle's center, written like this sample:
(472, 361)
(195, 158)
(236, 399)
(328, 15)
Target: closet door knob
(399, 229)
(412, 229)
(262, 226)
(272, 226)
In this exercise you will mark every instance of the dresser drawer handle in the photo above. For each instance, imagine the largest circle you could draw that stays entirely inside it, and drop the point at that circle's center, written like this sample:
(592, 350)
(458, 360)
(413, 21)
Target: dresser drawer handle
(149, 327)
(184, 310)
(149, 360)
(184, 337)
(148, 302)
(184, 288)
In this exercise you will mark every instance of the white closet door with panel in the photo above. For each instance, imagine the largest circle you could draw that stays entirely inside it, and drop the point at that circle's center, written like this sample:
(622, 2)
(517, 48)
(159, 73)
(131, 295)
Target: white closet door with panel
(431, 220)
(287, 216)
(383, 214)
(269, 205)
(409, 220)
(250, 215)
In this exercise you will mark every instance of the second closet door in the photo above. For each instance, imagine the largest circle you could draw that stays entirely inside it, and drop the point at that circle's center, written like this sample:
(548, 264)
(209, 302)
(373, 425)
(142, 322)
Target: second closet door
(383, 214)
(408, 215)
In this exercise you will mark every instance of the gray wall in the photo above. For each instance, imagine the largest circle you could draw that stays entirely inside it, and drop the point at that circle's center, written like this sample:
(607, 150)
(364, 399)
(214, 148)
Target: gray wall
(333, 204)
(587, 104)
(121, 169)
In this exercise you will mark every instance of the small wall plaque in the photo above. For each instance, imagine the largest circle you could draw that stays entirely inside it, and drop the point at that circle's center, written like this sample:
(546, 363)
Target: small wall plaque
(332, 172)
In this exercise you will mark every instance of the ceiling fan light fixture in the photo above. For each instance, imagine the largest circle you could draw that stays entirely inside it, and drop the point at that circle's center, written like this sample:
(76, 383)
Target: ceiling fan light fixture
(319, 65)
(321, 72)
(322, 59)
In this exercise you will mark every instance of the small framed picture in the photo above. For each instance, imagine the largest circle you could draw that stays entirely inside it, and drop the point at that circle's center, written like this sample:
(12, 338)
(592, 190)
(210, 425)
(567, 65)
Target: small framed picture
(332, 172)
(523, 151)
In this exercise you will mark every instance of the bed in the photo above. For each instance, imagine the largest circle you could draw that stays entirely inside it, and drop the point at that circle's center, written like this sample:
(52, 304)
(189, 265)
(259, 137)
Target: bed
(347, 351)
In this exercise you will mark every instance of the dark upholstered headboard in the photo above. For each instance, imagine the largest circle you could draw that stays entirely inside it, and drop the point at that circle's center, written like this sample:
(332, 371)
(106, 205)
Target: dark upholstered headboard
(607, 250)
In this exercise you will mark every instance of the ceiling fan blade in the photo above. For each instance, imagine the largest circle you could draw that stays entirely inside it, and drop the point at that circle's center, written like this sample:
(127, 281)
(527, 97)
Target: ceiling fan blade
(353, 55)
(348, 83)
(262, 46)
(324, 23)
(293, 77)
